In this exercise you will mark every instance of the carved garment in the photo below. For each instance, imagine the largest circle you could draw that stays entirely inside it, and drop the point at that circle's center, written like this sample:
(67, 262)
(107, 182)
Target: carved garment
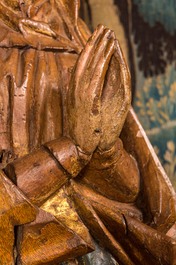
(34, 80)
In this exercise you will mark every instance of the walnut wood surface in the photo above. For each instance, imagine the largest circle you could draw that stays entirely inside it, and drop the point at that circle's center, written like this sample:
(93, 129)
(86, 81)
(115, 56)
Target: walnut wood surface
(78, 164)
(15, 210)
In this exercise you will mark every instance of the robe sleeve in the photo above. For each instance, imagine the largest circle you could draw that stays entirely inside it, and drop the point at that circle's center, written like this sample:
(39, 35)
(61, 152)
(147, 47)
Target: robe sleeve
(44, 171)
(114, 174)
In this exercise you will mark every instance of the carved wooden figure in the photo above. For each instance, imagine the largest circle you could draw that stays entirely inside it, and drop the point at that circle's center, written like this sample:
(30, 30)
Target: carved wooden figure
(75, 162)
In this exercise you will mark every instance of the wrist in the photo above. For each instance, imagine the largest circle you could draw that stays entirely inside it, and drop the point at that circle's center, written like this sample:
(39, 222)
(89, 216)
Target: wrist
(103, 159)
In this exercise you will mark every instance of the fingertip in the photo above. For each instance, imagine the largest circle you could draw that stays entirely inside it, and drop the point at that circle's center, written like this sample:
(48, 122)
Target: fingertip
(113, 35)
(107, 33)
(100, 27)
(96, 33)
(119, 52)
(110, 48)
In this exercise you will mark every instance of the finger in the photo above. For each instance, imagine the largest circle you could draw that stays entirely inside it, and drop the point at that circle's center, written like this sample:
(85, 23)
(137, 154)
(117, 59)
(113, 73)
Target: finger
(96, 85)
(99, 49)
(87, 52)
(116, 99)
(125, 87)
(95, 60)
(118, 77)
(124, 72)
(90, 85)
(84, 104)
(96, 53)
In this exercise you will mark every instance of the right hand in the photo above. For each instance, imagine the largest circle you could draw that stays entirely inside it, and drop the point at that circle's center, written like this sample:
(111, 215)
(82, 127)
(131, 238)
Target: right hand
(85, 90)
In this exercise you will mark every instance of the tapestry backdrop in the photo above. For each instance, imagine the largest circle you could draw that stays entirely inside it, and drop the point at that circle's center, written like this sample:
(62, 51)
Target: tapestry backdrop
(146, 30)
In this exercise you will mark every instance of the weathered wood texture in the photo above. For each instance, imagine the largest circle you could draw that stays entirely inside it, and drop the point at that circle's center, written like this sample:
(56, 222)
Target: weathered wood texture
(64, 102)
(15, 209)
(157, 193)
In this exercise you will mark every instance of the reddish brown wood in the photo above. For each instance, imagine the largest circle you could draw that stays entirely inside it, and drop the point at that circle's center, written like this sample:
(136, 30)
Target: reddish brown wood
(15, 209)
(38, 175)
(144, 244)
(110, 177)
(157, 193)
(72, 160)
(64, 98)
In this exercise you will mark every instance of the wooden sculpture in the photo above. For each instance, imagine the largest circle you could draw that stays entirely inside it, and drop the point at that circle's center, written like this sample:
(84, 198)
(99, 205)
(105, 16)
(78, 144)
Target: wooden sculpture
(75, 162)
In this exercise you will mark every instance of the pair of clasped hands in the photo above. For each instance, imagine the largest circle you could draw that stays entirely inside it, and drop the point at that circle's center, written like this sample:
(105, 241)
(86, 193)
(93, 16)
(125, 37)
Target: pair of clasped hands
(99, 93)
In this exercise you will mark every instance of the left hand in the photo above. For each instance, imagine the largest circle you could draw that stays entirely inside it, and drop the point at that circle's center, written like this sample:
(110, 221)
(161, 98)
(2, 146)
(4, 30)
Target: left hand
(115, 100)
(99, 93)
(85, 90)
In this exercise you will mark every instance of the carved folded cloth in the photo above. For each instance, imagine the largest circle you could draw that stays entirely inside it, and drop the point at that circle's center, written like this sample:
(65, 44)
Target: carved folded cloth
(34, 81)
(41, 25)
(28, 113)
(43, 172)
(37, 33)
